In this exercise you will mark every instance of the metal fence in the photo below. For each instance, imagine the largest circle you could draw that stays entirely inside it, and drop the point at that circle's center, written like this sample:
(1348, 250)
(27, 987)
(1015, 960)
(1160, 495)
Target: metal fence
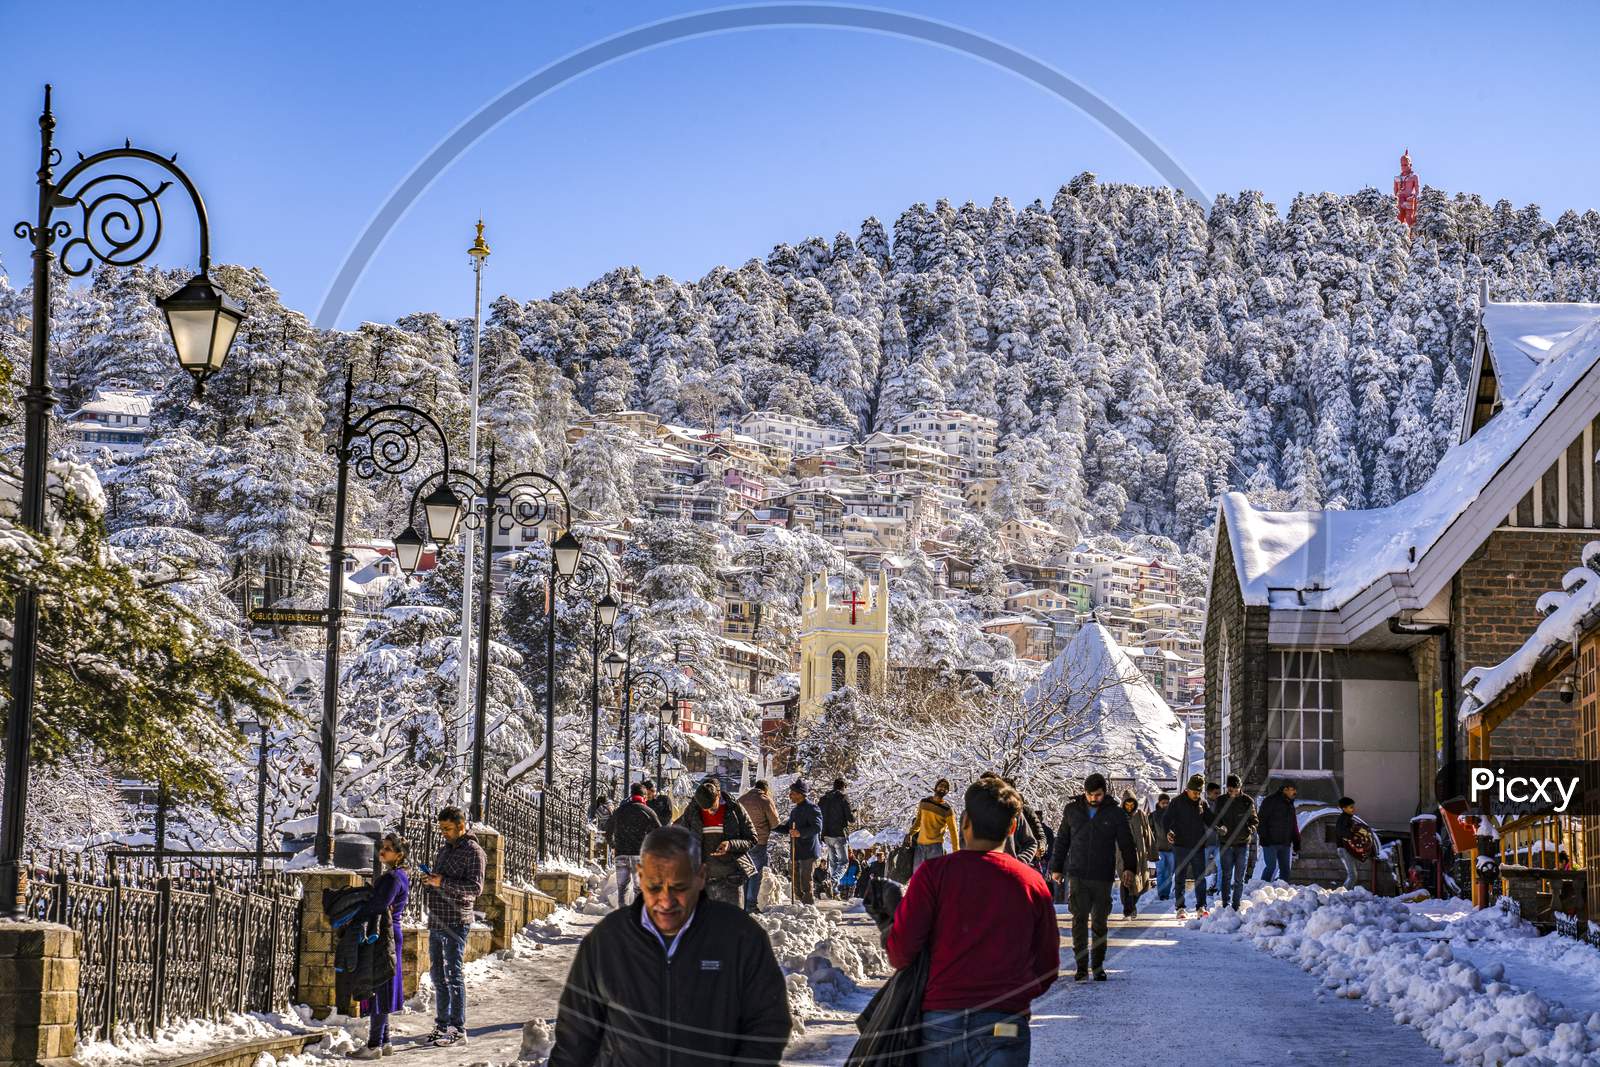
(514, 813)
(157, 947)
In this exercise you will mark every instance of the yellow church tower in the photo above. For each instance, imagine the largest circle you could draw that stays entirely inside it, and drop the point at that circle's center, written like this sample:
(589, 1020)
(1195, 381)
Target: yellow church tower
(842, 642)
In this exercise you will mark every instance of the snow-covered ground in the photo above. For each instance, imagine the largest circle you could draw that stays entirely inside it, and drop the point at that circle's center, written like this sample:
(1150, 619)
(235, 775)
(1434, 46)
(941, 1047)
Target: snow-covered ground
(1479, 986)
(1469, 987)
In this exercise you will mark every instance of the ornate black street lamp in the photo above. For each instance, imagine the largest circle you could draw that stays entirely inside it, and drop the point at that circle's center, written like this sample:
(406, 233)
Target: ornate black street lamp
(528, 500)
(593, 580)
(385, 440)
(118, 223)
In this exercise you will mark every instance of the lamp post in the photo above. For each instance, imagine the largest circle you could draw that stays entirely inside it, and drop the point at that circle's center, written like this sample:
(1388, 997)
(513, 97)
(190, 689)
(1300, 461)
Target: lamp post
(527, 499)
(591, 571)
(117, 222)
(385, 440)
(262, 747)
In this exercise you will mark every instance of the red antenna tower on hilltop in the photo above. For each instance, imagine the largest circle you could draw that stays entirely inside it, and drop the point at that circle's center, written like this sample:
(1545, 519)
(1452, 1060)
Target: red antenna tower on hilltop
(1405, 193)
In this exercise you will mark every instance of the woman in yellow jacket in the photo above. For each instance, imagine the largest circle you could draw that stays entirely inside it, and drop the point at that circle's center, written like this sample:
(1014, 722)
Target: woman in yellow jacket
(935, 818)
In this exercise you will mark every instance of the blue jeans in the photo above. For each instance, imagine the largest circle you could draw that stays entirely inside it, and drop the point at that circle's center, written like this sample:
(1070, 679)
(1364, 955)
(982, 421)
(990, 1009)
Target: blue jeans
(924, 853)
(447, 948)
(1233, 876)
(967, 1039)
(1276, 861)
(1189, 863)
(1164, 874)
(1352, 870)
(838, 857)
(752, 885)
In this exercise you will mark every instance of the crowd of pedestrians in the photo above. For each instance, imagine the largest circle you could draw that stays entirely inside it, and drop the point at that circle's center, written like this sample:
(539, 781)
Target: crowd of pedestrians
(679, 972)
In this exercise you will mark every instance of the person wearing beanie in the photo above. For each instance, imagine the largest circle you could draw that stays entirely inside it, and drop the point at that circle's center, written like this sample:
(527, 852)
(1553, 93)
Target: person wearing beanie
(1188, 821)
(1158, 827)
(725, 837)
(1093, 830)
(1235, 821)
(804, 827)
(626, 829)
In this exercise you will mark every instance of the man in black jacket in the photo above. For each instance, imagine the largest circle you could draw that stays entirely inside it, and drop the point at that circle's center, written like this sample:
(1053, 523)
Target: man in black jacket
(1188, 821)
(1279, 832)
(725, 835)
(837, 817)
(1235, 822)
(626, 830)
(675, 979)
(659, 802)
(1092, 829)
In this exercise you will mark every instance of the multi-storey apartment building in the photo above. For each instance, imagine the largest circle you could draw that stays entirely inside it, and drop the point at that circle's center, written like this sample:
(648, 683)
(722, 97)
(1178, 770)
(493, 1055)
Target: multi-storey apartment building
(966, 438)
(798, 435)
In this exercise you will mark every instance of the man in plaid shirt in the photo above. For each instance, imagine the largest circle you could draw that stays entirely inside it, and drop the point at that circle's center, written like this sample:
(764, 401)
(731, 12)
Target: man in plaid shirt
(450, 887)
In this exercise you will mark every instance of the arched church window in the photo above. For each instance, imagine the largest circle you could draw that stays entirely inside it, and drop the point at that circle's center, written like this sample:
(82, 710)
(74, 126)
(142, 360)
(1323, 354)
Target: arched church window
(838, 670)
(864, 672)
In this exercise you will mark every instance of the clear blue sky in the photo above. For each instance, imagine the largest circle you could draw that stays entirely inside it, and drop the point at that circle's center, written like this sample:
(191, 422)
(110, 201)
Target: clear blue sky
(297, 120)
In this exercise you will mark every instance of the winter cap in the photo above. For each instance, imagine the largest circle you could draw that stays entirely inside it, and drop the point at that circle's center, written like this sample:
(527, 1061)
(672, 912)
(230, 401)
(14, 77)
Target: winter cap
(1095, 783)
(1128, 797)
(1233, 781)
(799, 786)
(1163, 796)
(1196, 782)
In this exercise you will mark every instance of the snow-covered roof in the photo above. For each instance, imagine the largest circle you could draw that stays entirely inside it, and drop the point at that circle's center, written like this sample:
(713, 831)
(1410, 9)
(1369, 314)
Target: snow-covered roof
(1320, 560)
(1119, 717)
(1521, 336)
(1567, 612)
(135, 404)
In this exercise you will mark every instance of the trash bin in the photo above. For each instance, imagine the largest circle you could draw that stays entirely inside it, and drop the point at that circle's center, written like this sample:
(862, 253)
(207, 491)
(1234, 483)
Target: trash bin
(354, 852)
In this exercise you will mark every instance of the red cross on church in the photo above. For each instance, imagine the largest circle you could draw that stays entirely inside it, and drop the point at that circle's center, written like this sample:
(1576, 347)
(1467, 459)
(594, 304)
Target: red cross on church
(855, 601)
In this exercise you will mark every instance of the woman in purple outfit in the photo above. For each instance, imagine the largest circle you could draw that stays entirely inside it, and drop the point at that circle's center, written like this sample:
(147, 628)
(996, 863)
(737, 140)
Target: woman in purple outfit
(390, 893)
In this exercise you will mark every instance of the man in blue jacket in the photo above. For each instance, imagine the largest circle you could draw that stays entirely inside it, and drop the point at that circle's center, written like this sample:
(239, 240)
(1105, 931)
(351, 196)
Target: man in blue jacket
(804, 827)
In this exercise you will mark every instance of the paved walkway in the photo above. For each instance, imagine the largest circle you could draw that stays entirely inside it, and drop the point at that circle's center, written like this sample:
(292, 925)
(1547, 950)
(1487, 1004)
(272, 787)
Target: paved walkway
(1174, 995)
(1179, 996)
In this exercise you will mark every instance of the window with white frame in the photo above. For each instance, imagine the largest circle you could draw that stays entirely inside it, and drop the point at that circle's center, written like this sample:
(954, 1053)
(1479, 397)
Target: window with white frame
(1305, 728)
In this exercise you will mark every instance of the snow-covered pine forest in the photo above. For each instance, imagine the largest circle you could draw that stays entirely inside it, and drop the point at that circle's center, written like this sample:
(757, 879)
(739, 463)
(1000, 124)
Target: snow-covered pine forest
(1140, 356)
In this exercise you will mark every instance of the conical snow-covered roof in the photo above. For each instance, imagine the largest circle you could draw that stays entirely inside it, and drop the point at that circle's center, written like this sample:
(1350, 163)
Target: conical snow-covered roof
(1114, 716)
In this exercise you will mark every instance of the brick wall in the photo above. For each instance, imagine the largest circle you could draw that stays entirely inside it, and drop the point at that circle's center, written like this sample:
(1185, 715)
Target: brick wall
(1243, 629)
(1495, 615)
(38, 994)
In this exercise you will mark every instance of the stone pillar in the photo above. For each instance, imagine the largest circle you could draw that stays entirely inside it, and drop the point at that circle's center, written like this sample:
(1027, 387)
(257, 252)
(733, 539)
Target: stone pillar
(414, 959)
(565, 886)
(316, 985)
(38, 994)
(495, 903)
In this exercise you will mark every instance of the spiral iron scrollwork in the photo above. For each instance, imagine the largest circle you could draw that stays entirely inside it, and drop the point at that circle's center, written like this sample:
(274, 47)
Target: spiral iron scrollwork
(388, 440)
(592, 579)
(121, 222)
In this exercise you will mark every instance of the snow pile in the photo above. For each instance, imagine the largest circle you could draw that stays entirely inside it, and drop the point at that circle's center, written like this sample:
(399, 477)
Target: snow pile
(199, 1035)
(800, 932)
(802, 1005)
(538, 1038)
(1381, 951)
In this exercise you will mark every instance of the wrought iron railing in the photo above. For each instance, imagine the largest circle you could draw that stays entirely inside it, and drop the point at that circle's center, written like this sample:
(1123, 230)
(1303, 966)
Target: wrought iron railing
(514, 812)
(157, 947)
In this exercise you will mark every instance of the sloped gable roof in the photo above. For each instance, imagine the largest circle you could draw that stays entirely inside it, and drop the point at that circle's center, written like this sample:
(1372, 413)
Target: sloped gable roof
(1322, 560)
